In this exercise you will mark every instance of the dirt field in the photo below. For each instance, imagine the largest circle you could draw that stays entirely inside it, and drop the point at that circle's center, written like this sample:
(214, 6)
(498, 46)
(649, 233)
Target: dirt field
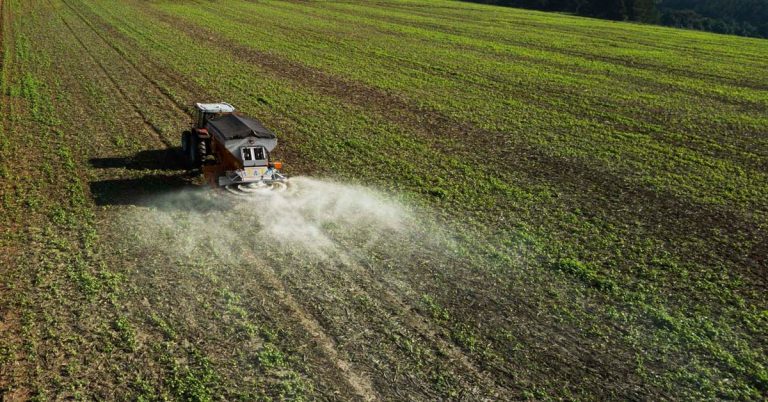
(487, 204)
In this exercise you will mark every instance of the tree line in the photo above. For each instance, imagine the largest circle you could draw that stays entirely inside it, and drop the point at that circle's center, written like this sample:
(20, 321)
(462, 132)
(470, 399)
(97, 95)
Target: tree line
(737, 17)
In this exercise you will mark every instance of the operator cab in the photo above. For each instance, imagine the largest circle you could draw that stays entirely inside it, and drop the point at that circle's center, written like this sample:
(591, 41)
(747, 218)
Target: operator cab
(208, 111)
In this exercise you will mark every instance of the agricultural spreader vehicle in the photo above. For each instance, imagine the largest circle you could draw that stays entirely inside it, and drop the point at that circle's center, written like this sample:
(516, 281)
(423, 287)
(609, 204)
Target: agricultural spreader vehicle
(232, 150)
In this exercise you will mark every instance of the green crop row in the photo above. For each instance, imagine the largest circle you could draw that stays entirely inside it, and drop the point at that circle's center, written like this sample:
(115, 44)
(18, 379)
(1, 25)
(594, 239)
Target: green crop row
(472, 88)
(555, 150)
(344, 140)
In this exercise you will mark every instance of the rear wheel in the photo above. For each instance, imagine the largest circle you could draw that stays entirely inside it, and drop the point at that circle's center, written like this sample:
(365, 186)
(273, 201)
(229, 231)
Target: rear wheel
(192, 153)
(189, 149)
(186, 138)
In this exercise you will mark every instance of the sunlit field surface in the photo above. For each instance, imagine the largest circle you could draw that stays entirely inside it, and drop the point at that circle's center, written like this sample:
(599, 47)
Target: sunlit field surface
(487, 203)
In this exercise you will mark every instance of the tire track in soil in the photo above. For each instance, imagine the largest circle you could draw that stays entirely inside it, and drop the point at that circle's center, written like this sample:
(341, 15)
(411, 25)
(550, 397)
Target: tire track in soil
(178, 106)
(177, 80)
(376, 316)
(137, 110)
(331, 327)
(413, 319)
(264, 296)
(360, 383)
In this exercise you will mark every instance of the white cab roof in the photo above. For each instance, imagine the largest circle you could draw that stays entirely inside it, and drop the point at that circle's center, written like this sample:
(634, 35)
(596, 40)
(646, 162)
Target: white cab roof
(220, 107)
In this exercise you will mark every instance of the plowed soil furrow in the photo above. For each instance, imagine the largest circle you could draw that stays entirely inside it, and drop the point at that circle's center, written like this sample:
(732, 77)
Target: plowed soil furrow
(377, 286)
(399, 316)
(136, 108)
(180, 108)
(357, 380)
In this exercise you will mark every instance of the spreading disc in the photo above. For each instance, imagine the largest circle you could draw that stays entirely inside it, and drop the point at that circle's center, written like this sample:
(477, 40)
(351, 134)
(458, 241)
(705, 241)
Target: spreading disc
(256, 188)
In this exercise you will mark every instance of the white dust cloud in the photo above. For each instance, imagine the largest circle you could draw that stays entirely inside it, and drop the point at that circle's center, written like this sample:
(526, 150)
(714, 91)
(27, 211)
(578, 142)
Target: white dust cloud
(310, 209)
(312, 216)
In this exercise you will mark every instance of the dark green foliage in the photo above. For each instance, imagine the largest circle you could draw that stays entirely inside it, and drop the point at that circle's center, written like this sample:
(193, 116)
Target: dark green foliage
(631, 10)
(736, 17)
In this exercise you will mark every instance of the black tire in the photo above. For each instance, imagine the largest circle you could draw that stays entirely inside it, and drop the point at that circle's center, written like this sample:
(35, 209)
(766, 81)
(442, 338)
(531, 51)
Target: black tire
(189, 149)
(186, 145)
(186, 138)
(193, 157)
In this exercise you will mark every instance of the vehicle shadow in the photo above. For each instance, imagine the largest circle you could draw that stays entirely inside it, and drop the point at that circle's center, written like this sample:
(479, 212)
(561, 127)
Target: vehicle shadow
(165, 178)
(142, 191)
(155, 159)
(167, 184)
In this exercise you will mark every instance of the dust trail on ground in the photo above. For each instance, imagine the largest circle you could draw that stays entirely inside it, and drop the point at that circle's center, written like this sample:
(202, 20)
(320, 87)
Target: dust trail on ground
(364, 240)
(312, 215)
(271, 235)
